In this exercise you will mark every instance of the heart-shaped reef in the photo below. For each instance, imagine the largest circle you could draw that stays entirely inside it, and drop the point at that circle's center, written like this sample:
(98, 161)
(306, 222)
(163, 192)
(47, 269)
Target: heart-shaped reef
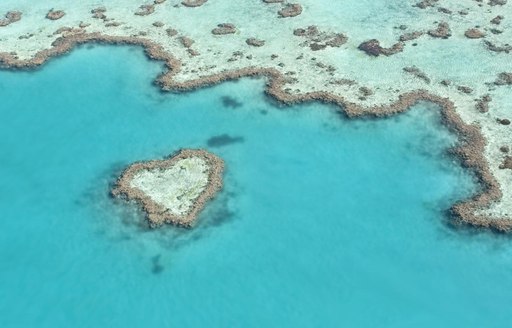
(173, 190)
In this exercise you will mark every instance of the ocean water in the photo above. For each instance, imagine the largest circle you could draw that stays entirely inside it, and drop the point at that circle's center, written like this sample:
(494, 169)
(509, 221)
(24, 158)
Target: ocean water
(323, 221)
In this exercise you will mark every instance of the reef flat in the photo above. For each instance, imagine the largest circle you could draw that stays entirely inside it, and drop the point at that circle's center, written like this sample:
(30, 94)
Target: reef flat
(173, 190)
(372, 60)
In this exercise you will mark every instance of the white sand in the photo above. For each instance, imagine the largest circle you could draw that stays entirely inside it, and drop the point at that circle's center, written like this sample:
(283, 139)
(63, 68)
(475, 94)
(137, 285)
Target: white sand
(175, 188)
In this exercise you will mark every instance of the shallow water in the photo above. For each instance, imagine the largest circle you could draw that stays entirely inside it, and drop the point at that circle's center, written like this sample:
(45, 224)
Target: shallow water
(323, 221)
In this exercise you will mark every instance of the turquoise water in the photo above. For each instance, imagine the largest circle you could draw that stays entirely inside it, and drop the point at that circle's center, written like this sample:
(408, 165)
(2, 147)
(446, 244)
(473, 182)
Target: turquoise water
(323, 222)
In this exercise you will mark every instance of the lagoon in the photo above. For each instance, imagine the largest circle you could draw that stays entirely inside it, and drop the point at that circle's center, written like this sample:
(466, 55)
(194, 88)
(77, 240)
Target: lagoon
(323, 220)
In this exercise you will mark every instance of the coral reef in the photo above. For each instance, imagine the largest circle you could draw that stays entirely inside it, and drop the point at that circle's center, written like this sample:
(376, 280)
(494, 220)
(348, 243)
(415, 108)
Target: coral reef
(317, 40)
(474, 33)
(173, 190)
(255, 42)
(193, 3)
(10, 17)
(290, 10)
(145, 10)
(55, 14)
(442, 31)
(373, 48)
(224, 28)
(417, 73)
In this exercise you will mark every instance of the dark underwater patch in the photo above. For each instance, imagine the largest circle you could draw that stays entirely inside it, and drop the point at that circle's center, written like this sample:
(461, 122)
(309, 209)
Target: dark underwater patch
(223, 140)
(218, 213)
(156, 267)
(230, 102)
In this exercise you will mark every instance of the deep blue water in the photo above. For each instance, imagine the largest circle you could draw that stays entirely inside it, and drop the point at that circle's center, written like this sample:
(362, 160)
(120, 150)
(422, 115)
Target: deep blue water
(323, 222)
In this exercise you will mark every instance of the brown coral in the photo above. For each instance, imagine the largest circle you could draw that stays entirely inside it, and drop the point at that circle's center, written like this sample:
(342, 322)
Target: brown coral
(55, 14)
(255, 42)
(474, 33)
(373, 48)
(442, 31)
(145, 10)
(224, 28)
(10, 17)
(193, 3)
(290, 10)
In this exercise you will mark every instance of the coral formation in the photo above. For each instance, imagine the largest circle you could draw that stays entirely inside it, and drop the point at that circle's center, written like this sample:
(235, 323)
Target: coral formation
(373, 48)
(224, 28)
(55, 14)
(290, 10)
(173, 190)
(10, 17)
(193, 3)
